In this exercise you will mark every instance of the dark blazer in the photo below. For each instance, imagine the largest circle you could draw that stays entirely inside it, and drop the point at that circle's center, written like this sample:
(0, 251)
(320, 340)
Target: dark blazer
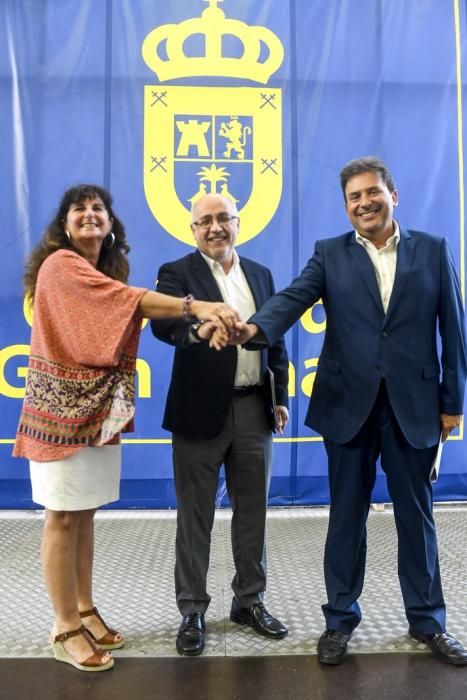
(202, 382)
(362, 344)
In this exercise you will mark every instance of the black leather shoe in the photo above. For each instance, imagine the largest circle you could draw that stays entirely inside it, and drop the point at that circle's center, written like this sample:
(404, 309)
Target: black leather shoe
(257, 616)
(443, 646)
(190, 637)
(332, 647)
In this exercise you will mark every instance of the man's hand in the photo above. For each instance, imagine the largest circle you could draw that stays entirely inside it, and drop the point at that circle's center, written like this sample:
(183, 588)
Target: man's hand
(217, 335)
(239, 334)
(220, 338)
(282, 418)
(243, 333)
(206, 330)
(448, 423)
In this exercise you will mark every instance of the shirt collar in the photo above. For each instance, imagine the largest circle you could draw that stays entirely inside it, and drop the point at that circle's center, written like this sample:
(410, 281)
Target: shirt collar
(214, 265)
(392, 242)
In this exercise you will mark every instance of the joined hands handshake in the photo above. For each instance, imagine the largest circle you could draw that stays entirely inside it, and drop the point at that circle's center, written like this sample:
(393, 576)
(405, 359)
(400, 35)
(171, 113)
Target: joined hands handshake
(239, 334)
(222, 326)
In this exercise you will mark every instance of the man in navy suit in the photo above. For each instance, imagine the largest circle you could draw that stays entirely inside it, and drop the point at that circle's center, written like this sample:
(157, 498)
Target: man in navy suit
(218, 413)
(378, 392)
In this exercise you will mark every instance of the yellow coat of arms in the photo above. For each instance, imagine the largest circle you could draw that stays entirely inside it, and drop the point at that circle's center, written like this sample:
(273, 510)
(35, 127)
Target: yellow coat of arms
(201, 139)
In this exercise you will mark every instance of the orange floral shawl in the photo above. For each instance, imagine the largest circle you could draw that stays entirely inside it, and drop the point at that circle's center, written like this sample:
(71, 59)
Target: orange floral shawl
(80, 385)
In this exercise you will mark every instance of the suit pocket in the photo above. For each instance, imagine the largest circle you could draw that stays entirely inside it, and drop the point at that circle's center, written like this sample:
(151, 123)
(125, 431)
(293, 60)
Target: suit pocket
(430, 372)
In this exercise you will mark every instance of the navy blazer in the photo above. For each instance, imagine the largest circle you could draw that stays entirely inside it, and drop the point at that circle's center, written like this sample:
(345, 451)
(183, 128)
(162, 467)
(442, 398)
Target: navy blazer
(363, 344)
(202, 382)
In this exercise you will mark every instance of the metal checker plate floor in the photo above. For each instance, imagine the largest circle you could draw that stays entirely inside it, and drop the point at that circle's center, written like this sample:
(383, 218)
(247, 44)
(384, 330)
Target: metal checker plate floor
(134, 583)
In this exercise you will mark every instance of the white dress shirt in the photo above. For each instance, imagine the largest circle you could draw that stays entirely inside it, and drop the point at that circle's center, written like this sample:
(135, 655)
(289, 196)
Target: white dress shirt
(384, 262)
(237, 294)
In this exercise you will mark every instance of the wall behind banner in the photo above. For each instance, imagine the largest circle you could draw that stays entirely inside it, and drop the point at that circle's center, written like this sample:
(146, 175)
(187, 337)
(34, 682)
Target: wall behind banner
(73, 109)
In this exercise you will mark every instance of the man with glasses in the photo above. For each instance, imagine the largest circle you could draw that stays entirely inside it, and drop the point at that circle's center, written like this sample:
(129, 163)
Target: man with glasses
(218, 413)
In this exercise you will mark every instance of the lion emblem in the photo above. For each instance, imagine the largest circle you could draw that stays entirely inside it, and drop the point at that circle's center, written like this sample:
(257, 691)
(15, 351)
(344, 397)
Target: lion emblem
(236, 135)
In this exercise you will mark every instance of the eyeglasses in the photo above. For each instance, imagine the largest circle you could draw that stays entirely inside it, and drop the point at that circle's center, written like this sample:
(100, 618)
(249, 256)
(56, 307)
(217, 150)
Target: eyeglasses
(207, 221)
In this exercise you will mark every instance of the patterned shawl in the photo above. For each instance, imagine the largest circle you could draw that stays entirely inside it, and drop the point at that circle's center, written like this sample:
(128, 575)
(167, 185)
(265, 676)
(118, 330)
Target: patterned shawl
(80, 385)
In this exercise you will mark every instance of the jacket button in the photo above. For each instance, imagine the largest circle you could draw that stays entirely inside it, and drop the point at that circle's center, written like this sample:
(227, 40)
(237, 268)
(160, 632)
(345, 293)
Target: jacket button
(385, 335)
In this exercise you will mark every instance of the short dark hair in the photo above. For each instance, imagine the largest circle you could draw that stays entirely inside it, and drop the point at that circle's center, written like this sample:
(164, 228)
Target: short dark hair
(364, 165)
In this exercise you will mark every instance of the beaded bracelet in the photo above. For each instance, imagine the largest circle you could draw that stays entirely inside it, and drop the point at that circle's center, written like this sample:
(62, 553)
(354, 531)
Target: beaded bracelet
(186, 309)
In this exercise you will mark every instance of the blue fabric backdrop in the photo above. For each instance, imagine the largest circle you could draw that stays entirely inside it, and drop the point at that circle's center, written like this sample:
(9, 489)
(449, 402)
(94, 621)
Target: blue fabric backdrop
(316, 83)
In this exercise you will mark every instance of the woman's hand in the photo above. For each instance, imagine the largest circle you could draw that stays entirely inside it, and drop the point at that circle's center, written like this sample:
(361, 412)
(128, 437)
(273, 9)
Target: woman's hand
(217, 312)
(155, 305)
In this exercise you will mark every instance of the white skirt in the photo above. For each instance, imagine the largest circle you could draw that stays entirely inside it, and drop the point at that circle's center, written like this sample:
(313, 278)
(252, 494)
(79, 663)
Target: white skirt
(88, 479)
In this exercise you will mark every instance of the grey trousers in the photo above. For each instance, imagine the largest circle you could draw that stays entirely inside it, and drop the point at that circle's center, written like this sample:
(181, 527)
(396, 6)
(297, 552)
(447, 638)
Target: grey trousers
(245, 448)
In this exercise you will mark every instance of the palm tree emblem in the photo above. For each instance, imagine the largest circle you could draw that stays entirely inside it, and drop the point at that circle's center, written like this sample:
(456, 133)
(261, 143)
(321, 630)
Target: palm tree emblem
(213, 175)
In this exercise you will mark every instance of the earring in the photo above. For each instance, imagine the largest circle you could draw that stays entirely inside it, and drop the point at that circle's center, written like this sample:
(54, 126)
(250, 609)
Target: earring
(109, 240)
(68, 234)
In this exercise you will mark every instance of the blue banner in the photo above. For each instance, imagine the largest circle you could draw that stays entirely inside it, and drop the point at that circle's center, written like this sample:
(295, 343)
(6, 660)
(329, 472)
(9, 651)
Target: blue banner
(263, 101)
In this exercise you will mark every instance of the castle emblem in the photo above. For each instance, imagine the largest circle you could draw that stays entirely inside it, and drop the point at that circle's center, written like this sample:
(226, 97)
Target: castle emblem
(211, 138)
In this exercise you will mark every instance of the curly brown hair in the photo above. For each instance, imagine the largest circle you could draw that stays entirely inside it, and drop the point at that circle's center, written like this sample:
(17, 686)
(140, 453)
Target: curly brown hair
(113, 260)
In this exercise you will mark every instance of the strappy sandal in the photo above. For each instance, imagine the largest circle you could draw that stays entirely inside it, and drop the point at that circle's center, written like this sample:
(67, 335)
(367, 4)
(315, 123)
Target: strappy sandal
(108, 641)
(92, 663)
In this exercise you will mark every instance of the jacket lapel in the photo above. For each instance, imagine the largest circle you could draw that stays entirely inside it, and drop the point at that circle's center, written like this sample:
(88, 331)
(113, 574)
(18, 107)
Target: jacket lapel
(205, 278)
(365, 267)
(253, 282)
(405, 256)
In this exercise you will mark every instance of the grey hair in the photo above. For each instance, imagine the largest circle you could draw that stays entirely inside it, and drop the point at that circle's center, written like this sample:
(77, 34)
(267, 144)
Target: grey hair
(221, 196)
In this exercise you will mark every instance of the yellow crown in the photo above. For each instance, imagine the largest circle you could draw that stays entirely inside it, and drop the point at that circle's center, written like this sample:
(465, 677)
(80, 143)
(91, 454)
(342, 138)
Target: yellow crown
(212, 25)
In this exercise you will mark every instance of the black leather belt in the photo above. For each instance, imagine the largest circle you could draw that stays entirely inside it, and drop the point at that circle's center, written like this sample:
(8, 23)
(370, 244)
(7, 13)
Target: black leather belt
(241, 391)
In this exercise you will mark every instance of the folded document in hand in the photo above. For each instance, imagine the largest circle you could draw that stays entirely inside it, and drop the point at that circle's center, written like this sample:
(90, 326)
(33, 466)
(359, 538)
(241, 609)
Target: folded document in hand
(437, 460)
(270, 399)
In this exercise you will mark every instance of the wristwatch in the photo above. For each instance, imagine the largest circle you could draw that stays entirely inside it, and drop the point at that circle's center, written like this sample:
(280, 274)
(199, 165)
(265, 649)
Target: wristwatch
(194, 330)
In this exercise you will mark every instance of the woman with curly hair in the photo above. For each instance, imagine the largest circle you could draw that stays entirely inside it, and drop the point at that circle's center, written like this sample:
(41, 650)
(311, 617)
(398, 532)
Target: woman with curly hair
(80, 397)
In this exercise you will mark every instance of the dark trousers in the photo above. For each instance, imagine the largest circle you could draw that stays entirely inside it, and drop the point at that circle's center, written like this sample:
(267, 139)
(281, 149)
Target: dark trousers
(352, 473)
(245, 448)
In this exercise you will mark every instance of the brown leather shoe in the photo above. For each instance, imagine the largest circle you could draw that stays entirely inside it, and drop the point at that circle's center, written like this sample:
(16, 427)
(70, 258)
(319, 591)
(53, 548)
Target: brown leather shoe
(111, 639)
(92, 663)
